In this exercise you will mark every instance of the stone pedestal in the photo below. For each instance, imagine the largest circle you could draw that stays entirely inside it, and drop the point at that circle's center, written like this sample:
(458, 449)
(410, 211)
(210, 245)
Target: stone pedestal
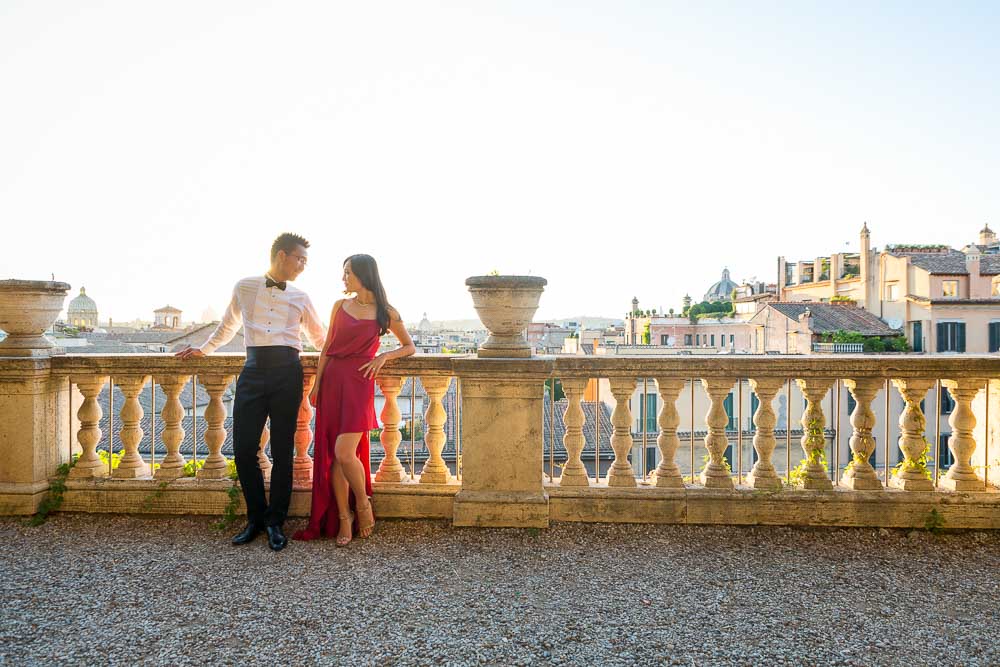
(34, 431)
(502, 462)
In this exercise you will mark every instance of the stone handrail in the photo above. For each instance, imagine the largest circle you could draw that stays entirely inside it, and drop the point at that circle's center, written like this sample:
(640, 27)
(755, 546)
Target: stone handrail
(501, 407)
(884, 366)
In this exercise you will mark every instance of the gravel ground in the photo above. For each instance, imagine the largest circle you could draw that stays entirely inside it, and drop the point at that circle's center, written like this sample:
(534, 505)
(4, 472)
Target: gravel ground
(120, 590)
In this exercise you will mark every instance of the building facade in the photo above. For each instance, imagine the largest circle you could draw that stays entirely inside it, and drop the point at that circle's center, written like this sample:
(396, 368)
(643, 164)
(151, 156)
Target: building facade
(944, 300)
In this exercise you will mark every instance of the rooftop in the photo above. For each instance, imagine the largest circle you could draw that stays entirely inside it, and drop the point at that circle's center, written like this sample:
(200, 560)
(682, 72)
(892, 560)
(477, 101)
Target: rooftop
(173, 591)
(830, 318)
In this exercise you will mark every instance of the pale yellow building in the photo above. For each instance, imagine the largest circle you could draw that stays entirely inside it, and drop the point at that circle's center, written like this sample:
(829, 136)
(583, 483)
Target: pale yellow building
(945, 300)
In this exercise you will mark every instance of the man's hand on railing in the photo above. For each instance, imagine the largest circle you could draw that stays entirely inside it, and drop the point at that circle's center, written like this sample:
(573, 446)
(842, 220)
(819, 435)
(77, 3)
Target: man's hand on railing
(189, 353)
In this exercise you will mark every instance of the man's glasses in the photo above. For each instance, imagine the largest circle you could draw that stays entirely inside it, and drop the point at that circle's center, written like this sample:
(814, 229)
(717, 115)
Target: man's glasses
(302, 258)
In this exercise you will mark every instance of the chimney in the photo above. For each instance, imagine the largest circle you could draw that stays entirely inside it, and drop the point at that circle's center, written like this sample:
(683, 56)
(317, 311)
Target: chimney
(805, 319)
(972, 266)
(865, 262)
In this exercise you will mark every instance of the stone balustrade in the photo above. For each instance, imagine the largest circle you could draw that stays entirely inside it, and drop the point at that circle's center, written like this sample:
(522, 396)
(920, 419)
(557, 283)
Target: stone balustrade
(49, 411)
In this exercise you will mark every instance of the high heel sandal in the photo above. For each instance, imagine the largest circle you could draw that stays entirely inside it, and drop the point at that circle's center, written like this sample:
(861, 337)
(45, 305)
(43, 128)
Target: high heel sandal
(365, 530)
(342, 541)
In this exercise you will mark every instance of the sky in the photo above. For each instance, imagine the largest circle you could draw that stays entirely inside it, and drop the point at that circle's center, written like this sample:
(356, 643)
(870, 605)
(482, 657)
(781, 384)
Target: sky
(152, 151)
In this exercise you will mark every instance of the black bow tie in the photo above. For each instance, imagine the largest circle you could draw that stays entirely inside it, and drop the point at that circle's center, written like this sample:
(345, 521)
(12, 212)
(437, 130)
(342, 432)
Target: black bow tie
(274, 283)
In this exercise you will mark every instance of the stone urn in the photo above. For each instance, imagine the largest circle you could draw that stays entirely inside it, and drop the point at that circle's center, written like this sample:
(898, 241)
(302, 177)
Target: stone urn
(505, 305)
(27, 309)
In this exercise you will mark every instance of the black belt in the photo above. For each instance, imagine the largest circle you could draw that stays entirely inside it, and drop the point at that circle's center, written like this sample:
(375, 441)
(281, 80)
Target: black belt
(271, 356)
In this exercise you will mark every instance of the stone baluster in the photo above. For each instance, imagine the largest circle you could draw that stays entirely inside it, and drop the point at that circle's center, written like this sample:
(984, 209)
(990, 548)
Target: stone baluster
(391, 469)
(961, 475)
(302, 465)
(913, 476)
(574, 473)
(717, 473)
(435, 471)
(814, 433)
(172, 465)
(763, 475)
(132, 464)
(621, 473)
(860, 475)
(89, 464)
(668, 473)
(215, 466)
(263, 462)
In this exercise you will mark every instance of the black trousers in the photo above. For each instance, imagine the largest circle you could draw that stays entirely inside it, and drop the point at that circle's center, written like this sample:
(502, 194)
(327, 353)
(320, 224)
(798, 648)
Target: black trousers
(266, 391)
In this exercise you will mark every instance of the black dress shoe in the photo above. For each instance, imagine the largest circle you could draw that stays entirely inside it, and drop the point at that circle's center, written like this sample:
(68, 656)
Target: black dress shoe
(248, 534)
(276, 538)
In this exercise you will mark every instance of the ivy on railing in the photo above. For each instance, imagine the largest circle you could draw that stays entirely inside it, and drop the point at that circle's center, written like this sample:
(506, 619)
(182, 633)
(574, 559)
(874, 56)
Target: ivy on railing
(54, 498)
(233, 492)
(816, 442)
(919, 464)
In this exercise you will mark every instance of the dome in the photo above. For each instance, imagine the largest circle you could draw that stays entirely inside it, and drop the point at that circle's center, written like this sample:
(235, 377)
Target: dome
(82, 311)
(425, 324)
(82, 302)
(722, 290)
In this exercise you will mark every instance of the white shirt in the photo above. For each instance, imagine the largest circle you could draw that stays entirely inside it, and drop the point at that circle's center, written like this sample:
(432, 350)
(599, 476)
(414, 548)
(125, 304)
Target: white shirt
(269, 316)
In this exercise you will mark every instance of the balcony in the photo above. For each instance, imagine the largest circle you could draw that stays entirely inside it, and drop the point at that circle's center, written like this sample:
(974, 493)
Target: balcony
(838, 348)
(500, 472)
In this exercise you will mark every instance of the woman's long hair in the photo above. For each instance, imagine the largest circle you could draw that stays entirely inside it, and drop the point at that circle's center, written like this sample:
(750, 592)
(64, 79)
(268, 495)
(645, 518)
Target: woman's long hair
(365, 268)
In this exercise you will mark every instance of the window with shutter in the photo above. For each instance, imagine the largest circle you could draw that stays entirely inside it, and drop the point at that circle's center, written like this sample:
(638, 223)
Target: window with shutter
(651, 413)
(951, 337)
(947, 402)
(994, 337)
(728, 403)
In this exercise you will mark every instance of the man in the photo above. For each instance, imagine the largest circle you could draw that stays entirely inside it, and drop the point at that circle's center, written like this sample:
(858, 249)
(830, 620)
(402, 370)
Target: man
(272, 313)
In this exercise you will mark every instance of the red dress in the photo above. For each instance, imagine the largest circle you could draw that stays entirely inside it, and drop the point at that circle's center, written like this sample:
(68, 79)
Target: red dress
(345, 403)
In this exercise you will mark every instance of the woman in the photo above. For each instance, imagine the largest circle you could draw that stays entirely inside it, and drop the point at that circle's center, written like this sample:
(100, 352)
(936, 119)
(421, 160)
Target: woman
(344, 396)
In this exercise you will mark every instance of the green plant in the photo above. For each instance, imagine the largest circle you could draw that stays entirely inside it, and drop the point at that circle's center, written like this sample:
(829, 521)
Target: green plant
(901, 247)
(494, 272)
(874, 344)
(934, 522)
(54, 498)
(840, 298)
(856, 460)
(229, 511)
(815, 441)
(842, 336)
(725, 462)
(920, 463)
(116, 457)
(192, 467)
(147, 503)
(899, 344)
